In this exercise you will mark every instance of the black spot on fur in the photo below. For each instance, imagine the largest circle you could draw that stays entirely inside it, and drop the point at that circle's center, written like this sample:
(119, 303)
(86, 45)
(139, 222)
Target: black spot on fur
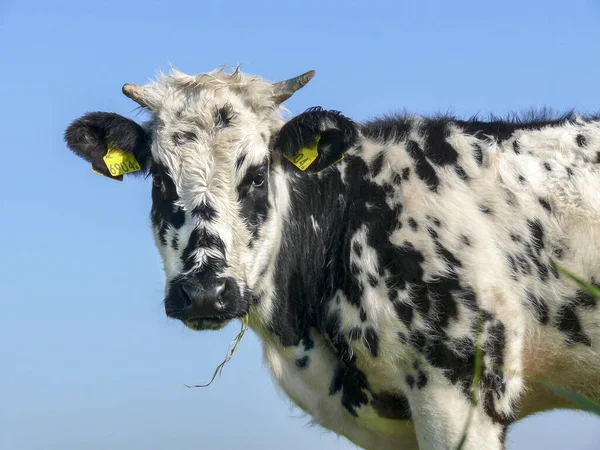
(465, 240)
(388, 188)
(524, 265)
(224, 115)
(567, 319)
(436, 222)
(548, 167)
(391, 406)
(485, 209)
(422, 380)
(537, 234)
(302, 363)
(410, 380)
(307, 343)
(333, 331)
(437, 148)
(432, 233)
(377, 164)
(177, 218)
(545, 204)
(423, 168)
(461, 172)
(353, 385)
(180, 138)
(404, 312)
(371, 341)
(558, 252)
(362, 314)
(413, 224)
(581, 140)
(240, 161)
(568, 322)
(454, 356)
(490, 410)
(201, 238)
(447, 255)
(373, 281)
(516, 147)
(357, 247)
(205, 211)
(478, 153)
(539, 307)
(406, 173)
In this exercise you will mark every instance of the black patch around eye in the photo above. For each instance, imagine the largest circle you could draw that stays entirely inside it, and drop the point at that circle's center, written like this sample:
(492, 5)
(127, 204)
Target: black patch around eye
(164, 211)
(253, 196)
(224, 115)
(180, 138)
(253, 173)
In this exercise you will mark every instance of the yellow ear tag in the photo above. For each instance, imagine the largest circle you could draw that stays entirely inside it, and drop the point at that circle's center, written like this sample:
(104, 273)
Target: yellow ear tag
(306, 155)
(119, 162)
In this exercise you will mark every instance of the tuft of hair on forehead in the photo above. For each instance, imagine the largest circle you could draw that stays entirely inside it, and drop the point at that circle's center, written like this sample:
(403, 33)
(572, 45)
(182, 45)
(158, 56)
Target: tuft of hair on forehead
(215, 79)
(256, 91)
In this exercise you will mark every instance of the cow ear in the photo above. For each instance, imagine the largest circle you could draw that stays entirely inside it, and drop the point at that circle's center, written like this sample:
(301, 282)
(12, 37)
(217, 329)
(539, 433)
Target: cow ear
(112, 144)
(316, 139)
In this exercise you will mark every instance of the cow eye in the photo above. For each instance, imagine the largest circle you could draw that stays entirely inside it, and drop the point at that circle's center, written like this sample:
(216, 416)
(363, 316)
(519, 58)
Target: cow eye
(259, 180)
(157, 180)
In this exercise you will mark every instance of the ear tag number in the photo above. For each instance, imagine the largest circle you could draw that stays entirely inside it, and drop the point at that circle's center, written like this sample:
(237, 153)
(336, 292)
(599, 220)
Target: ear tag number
(306, 155)
(119, 162)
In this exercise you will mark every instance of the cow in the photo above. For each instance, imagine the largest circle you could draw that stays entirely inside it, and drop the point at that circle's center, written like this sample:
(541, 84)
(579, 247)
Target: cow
(401, 273)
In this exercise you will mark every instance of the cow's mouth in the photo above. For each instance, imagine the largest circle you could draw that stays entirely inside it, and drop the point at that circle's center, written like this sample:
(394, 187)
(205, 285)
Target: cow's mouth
(207, 323)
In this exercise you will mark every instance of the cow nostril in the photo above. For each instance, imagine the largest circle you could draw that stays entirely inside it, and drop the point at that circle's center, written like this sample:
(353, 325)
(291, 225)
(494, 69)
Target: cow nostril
(219, 291)
(187, 299)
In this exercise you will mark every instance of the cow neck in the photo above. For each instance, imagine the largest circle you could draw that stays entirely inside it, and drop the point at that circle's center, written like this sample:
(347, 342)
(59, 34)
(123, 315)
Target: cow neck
(309, 265)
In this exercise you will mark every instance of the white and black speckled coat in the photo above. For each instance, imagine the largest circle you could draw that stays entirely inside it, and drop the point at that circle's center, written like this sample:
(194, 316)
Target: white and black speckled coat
(371, 279)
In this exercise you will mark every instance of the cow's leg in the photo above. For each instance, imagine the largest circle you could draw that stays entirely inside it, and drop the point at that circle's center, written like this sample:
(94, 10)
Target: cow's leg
(440, 411)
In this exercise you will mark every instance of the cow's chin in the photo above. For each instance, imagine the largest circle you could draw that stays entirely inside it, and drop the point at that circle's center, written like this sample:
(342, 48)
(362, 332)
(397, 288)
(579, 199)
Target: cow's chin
(206, 324)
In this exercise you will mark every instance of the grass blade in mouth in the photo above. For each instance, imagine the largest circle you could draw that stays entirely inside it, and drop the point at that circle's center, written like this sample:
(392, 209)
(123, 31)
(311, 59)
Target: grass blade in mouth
(230, 352)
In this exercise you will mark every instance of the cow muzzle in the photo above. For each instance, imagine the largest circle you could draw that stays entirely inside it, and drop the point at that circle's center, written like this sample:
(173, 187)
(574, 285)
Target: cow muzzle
(200, 303)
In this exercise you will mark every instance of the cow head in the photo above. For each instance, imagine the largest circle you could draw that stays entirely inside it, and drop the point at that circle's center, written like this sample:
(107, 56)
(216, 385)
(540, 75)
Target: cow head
(207, 150)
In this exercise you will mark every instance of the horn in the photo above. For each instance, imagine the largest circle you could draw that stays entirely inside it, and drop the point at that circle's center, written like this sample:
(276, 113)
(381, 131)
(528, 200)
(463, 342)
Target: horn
(135, 93)
(285, 89)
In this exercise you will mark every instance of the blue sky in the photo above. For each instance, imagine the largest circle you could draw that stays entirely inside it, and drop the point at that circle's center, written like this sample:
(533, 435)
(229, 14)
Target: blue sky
(88, 358)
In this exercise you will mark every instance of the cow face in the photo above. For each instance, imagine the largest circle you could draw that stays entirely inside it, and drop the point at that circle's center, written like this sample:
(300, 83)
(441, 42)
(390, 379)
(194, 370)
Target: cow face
(206, 149)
